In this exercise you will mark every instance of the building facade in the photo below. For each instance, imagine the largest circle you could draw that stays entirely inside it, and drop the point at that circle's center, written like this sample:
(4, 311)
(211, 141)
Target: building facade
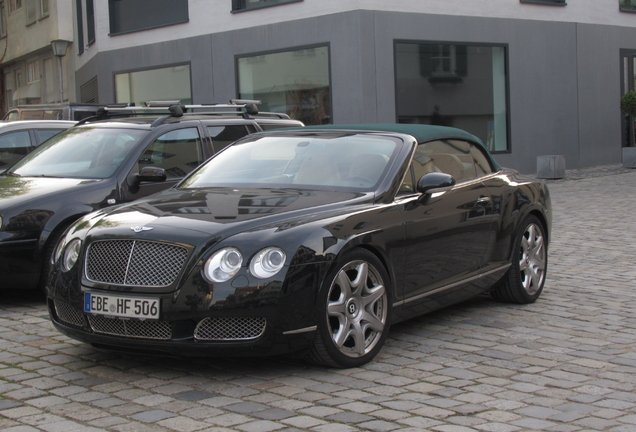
(30, 70)
(529, 77)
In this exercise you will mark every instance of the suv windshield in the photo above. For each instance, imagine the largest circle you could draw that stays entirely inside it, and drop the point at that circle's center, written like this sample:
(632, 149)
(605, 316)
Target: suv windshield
(86, 152)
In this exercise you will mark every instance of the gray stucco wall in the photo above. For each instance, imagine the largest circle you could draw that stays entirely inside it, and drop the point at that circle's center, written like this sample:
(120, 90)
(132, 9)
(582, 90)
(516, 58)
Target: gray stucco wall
(564, 78)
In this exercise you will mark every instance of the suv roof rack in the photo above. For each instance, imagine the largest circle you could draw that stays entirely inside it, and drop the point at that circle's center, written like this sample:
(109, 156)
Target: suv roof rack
(243, 107)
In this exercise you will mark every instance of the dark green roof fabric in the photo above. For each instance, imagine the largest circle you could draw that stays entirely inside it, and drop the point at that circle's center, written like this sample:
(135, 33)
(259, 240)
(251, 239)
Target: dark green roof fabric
(420, 132)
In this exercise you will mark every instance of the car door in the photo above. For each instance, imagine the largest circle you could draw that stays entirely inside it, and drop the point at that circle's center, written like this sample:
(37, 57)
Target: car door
(447, 234)
(178, 151)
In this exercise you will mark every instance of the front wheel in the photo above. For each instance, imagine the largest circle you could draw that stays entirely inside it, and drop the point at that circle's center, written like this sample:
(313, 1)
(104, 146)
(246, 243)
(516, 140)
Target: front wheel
(353, 312)
(523, 282)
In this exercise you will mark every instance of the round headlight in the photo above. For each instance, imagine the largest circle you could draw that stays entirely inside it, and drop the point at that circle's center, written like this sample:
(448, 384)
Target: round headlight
(70, 254)
(267, 262)
(223, 265)
(58, 250)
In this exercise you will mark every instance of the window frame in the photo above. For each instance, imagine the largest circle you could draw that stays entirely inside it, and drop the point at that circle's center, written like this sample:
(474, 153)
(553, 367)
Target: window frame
(504, 46)
(242, 5)
(33, 71)
(546, 2)
(14, 6)
(112, 21)
(326, 45)
(31, 12)
(80, 26)
(631, 8)
(3, 19)
(166, 66)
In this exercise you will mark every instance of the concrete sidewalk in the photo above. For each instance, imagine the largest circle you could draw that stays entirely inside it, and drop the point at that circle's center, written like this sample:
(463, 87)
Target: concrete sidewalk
(565, 363)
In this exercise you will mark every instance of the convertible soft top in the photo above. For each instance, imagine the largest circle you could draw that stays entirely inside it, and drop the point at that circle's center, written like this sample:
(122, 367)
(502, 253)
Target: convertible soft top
(422, 133)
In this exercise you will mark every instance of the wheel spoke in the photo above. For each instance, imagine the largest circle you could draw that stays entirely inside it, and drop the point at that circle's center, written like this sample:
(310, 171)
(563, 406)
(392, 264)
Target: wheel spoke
(336, 309)
(372, 320)
(343, 333)
(375, 293)
(343, 281)
(357, 334)
(361, 277)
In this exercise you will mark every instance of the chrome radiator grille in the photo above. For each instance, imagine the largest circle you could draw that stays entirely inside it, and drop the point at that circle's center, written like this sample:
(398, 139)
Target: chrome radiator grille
(130, 328)
(134, 262)
(69, 314)
(229, 328)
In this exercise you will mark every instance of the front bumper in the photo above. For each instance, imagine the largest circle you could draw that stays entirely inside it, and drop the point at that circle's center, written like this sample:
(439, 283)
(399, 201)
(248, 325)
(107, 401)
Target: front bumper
(275, 317)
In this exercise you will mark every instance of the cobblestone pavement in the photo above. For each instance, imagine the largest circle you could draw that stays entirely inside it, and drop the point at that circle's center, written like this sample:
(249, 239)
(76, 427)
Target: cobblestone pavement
(565, 363)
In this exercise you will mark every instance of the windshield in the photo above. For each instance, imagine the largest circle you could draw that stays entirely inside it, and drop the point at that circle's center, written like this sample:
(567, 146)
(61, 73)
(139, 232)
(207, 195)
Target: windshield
(333, 162)
(82, 152)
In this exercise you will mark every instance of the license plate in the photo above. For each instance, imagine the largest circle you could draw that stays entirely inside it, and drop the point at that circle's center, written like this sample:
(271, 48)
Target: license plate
(121, 306)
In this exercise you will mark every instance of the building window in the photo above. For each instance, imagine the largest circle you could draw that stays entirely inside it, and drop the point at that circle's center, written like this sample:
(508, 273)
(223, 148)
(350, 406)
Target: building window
(14, 5)
(450, 84)
(80, 27)
(170, 83)
(627, 5)
(44, 8)
(31, 12)
(129, 16)
(17, 78)
(3, 20)
(295, 82)
(241, 5)
(90, 22)
(545, 2)
(33, 71)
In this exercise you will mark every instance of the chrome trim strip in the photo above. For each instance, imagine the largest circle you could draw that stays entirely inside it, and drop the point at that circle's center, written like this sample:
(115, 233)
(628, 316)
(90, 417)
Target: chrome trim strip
(445, 287)
(302, 330)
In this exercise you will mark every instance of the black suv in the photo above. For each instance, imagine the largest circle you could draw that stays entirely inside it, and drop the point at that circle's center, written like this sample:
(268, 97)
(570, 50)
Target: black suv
(104, 161)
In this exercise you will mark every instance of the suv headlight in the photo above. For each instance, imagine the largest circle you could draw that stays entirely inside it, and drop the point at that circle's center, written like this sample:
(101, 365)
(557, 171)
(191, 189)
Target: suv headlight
(223, 265)
(267, 262)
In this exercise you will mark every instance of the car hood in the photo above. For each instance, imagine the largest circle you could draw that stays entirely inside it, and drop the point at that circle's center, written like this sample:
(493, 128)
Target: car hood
(220, 212)
(20, 190)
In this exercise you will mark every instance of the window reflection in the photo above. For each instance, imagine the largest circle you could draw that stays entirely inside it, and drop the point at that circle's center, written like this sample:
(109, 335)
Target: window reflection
(463, 86)
(292, 82)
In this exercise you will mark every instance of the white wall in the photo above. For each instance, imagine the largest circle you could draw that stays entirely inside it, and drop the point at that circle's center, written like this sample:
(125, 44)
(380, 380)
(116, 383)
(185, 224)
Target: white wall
(208, 17)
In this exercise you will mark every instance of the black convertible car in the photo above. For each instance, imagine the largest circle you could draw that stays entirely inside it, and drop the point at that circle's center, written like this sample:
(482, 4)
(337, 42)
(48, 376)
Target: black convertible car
(312, 240)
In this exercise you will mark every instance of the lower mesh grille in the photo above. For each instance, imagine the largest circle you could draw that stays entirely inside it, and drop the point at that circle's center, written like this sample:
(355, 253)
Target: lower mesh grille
(69, 314)
(229, 328)
(130, 328)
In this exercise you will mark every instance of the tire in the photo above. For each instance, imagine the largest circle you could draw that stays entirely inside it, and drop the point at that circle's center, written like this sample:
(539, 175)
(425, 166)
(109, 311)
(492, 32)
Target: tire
(524, 280)
(353, 312)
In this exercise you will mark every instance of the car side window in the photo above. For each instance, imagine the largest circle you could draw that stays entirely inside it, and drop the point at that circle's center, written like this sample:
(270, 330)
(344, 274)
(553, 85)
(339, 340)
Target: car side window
(44, 134)
(178, 152)
(222, 136)
(482, 164)
(13, 146)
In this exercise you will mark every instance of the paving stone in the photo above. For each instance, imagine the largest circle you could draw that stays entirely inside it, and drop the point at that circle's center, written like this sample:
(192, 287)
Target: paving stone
(153, 416)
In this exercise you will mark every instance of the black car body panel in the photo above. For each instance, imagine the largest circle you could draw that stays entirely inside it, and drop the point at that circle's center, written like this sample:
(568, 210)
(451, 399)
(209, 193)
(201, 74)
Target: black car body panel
(438, 247)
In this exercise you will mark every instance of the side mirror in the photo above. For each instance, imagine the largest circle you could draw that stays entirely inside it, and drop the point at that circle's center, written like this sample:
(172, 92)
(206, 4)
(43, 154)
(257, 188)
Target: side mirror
(434, 180)
(151, 174)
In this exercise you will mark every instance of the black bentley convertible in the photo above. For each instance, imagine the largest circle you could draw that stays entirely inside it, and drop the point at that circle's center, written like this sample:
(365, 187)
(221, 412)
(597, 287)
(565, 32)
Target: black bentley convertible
(312, 240)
